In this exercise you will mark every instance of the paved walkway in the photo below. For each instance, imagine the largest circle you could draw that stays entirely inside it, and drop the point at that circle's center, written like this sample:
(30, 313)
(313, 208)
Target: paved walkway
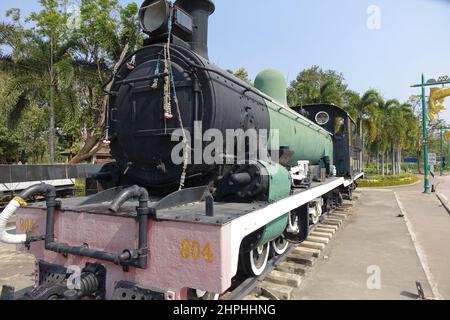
(443, 191)
(16, 269)
(375, 239)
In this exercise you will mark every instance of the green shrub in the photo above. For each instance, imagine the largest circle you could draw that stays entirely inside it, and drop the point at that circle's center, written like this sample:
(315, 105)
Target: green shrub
(371, 168)
(80, 187)
(387, 181)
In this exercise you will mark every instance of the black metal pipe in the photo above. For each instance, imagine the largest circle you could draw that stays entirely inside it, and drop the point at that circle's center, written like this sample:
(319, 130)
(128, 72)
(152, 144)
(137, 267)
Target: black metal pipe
(50, 224)
(50, 197)
(46, 189)
(209, 205)
(140, 79)
(230, 78)
(142, 215)
(227, 76)
(137, 258)
(126, 194)
(83, 251)
(197, 92)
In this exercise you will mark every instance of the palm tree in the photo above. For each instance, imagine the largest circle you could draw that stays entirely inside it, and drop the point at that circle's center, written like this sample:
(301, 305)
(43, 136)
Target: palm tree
(364, 109)
(326, 92)
(41, 70)
(65, 68)
(409, 131)
(390, 130)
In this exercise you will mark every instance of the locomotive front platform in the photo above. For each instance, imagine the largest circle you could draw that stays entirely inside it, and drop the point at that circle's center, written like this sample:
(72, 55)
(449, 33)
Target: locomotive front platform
(194, 245)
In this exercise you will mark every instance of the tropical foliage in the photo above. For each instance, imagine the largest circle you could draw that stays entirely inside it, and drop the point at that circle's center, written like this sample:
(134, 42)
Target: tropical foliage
(390, 128)
(388, 181)
(242, 74)
(58, 61)
(54, 63)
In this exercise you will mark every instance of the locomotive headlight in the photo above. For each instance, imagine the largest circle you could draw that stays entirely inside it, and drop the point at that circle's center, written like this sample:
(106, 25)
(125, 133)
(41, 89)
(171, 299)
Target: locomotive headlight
(154, 16)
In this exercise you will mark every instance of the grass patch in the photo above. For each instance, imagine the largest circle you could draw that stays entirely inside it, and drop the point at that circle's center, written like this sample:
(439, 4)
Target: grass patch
(80, 187)
(388, 181)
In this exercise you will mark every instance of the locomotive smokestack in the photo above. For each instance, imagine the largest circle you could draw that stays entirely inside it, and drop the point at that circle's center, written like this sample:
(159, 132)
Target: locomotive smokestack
(200, 10)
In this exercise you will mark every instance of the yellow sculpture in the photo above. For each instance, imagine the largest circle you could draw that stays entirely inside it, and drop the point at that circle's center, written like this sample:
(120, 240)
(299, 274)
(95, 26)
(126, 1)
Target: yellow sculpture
(447, 136)
(436, 101)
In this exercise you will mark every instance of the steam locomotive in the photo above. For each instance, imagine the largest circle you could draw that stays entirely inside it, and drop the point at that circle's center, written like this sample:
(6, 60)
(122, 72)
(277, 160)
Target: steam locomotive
(166, 229)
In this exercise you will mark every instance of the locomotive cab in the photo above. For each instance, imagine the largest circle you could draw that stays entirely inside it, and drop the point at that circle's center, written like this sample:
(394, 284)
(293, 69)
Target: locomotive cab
(346, 132)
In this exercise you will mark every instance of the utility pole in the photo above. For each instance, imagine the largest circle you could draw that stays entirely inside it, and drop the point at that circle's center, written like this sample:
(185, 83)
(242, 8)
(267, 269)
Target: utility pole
(425, 138)
(442, 149)
(448, 150)
(441, 171)
(422, 85)
(51, 130)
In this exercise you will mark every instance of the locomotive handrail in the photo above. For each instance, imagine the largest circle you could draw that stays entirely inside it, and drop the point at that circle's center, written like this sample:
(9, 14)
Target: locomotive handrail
(140, 79)
(235, 81)
(246, 87)
(302, 118)
(259, 93)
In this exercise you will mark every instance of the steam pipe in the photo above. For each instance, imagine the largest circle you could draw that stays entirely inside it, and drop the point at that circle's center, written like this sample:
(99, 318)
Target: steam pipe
(20, 200)
(142, 216)
(137, 258)
(48, 190)
(126, 194)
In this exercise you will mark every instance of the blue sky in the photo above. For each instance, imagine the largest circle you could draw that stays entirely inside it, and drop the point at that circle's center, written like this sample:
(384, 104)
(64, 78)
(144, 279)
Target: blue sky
(291, 35)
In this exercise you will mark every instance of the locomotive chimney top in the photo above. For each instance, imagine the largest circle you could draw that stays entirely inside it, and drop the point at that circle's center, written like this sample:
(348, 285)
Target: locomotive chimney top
(200, 10)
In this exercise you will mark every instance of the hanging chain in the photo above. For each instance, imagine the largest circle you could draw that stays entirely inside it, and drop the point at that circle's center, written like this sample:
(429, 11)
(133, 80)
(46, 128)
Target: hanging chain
(171, 83)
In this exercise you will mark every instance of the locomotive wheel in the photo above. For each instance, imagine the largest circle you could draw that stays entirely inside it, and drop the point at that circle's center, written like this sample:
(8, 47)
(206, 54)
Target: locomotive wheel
(254, 262)
(293, 225)
(317, 213)
(279, 245)
(350, 194)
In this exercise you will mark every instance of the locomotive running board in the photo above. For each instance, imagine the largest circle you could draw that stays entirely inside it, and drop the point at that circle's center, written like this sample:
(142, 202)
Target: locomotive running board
(245, 225)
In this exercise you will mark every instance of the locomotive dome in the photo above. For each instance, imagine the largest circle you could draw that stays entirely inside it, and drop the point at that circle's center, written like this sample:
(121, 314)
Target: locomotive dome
(272, 83)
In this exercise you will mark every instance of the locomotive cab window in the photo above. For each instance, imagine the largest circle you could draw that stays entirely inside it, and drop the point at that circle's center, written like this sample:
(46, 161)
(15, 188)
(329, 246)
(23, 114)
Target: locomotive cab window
(322, 118)
(352, 133)
(339, 126)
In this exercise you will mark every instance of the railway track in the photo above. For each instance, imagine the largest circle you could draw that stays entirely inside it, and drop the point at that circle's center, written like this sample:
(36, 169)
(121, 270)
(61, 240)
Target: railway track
(285, 273)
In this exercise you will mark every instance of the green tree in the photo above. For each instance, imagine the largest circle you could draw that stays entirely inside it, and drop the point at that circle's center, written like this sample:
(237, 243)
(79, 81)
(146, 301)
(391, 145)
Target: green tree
(242, 74)
(28, 142)
(39, 62)
(315, 85)
(106, 30)
(63, 67)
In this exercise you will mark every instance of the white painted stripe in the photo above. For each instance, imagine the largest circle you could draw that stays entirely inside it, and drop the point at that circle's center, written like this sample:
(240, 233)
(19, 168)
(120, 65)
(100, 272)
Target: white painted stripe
(443, 197)
(243, 226)
(377, 190)
(420, 252)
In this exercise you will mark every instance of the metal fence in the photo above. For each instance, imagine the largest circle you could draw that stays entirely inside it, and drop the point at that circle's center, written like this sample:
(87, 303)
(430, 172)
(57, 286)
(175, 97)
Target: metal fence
(26, 173)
